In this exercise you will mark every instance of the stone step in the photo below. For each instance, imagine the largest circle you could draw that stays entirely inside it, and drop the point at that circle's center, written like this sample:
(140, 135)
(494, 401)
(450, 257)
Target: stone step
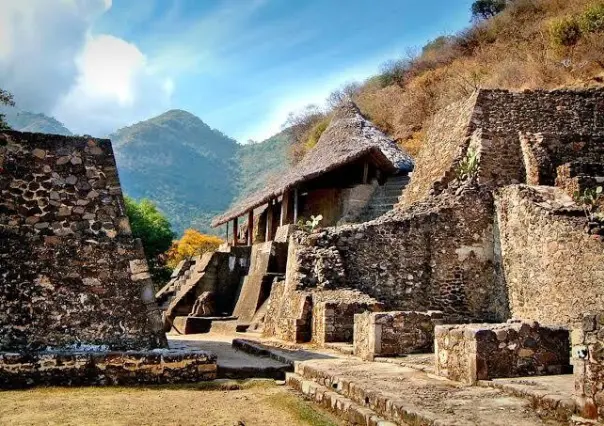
(351, 413)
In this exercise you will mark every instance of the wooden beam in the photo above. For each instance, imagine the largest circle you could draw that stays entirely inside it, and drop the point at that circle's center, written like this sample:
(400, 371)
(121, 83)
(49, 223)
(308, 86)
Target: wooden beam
(269, 221)
(250, 227)
(227, 232)
(235, 231)
(283, 219)
(295, 205)
(365, 172)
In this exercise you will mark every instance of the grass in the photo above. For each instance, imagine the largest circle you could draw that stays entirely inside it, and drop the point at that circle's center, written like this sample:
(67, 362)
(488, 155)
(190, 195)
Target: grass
(249, 403)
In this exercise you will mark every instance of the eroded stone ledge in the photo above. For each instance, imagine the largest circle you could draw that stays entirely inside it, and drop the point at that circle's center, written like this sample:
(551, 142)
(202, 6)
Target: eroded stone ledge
(102, 368)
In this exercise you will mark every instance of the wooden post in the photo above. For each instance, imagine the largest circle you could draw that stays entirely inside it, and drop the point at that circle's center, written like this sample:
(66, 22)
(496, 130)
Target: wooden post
(250, 227)
(227, 232)
(365, 172)
(295, 206)
(269, 221)
(283, 219)
(235, 231)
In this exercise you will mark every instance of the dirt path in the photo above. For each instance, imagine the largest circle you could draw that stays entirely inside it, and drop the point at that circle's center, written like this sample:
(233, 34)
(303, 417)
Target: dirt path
(256, 405)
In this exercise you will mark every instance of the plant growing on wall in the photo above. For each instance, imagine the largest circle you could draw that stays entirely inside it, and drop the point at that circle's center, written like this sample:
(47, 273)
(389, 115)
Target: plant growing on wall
(589, 200)
(469, 166)
(310, 225)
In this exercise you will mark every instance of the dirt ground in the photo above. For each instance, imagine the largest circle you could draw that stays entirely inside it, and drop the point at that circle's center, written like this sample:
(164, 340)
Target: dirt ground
(247, 404)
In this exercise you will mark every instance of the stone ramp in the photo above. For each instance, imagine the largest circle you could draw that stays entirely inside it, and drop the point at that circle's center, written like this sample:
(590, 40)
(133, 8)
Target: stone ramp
(232, 363)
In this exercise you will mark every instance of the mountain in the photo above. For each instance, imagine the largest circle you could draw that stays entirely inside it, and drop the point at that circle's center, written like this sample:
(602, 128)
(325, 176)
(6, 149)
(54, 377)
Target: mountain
(25, 121)
(176, 160)
(191, 171)
(261, 161)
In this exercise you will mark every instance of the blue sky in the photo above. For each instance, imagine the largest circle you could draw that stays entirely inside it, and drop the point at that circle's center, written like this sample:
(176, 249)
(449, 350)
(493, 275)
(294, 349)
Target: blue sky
(240, 65)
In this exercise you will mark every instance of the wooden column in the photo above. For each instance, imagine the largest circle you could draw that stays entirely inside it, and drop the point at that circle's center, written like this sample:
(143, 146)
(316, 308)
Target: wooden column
(365, 172)
(250, 227)
(283, 219)
(235, 231)
(295, 205)
(269, 221)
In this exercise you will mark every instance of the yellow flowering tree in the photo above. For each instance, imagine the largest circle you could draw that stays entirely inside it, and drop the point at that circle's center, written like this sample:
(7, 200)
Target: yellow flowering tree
(192, 243)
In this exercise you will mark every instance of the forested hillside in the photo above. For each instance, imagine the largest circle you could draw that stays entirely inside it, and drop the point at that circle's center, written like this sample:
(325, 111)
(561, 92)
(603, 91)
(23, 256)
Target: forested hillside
(30, 122)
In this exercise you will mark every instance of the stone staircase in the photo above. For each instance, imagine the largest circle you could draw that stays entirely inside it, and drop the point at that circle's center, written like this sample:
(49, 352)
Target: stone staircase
(384, 198)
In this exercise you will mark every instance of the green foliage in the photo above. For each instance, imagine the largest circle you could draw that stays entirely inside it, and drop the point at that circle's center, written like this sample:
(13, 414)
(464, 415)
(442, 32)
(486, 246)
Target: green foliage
(565, 32)
(592, 20)
(154, 230)
(5, 99)
(469, 166)
(485, 9)
(315, 133)
(589, 200)
(310, 225)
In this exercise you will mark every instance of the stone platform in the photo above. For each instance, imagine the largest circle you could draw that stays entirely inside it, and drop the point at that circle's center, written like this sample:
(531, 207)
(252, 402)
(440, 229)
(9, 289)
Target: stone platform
(197, 325)
(105, 368)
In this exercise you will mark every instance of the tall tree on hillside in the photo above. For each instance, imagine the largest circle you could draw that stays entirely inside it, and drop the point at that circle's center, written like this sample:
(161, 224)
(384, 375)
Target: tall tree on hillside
(5, 99)
(485, 9)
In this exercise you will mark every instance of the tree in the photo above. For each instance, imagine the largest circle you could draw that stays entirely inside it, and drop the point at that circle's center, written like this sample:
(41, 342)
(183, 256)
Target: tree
(155, 232)
(5, 99)
(485, 9)
(192, 243)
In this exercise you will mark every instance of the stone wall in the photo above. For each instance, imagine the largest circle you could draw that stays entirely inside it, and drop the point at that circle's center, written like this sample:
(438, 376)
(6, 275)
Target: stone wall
(553, 269)
(471, 352)
(448, 137)
(588, 362)
(333, 314)
(395, 333)
(434, 257)
(70, 270)
(496, 118)
(102, 368)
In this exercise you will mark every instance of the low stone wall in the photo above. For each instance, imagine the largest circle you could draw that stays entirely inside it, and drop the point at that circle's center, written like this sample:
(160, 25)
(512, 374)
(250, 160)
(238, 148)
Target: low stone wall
(467, 353)
(588, 362)
(333, 314)
(394, 333)
(78, 368)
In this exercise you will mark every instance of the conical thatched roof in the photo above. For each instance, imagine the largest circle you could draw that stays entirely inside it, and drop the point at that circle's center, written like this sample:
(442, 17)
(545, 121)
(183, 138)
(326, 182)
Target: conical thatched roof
(348, 137)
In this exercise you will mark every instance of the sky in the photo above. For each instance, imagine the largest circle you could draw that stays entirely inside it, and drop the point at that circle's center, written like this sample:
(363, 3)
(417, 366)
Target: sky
(240, 65)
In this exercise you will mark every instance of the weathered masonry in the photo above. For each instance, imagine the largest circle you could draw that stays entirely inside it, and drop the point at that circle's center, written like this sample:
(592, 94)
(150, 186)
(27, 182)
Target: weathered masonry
(72, 277)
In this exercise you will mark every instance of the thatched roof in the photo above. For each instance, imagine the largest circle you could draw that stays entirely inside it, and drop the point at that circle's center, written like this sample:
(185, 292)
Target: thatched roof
(348, 137)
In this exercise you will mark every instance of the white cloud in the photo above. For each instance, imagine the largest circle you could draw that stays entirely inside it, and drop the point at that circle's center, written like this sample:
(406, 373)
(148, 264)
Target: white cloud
(53, 63)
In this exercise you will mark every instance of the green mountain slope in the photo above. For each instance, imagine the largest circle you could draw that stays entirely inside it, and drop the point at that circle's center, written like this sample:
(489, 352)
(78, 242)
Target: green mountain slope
(180, 163)
(25, 121)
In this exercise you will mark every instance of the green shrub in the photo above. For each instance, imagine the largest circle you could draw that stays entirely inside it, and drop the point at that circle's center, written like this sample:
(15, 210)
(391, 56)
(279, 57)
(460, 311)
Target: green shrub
(485, 9)
(315, 133)
(592, 20)
(565, 32)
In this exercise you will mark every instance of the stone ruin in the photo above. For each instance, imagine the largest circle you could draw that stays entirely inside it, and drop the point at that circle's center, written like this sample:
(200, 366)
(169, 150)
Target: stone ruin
(77, 299)
(491, 269)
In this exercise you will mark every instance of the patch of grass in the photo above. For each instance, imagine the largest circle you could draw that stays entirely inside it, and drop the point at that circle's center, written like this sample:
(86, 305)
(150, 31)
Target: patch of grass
(302, 409)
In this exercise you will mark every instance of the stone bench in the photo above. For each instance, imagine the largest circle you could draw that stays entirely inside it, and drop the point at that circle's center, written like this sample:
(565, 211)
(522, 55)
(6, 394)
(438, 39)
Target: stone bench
(471, 352)
(395, 333)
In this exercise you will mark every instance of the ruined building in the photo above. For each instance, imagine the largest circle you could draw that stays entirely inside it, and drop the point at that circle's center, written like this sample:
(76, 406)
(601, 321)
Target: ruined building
(77, 299)
(488, 230)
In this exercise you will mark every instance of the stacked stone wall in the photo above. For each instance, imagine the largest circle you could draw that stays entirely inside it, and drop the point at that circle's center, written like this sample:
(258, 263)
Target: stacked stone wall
(437, 257)
(471, 352)
(588, 362)
(553, 269)
(394, 333)
(70, 270)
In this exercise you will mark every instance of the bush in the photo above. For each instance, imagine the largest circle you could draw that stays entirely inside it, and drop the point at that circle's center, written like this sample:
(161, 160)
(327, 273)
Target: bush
(485, 9)
(154, 231)
(565, 32)
(592, 20)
